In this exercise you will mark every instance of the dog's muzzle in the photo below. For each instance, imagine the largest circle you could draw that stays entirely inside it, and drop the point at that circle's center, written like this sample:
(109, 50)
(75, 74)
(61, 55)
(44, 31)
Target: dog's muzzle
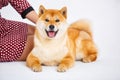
(51, 32)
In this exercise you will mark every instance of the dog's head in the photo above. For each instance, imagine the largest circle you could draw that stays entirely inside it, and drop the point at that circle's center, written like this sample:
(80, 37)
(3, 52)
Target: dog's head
(52, 23)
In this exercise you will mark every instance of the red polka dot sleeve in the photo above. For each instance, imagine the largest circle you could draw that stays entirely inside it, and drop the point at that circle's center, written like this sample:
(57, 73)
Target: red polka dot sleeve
(21, 6)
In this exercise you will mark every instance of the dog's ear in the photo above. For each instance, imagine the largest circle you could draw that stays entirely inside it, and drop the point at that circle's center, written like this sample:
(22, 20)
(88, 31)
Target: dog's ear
(64, 11)
(41, 10)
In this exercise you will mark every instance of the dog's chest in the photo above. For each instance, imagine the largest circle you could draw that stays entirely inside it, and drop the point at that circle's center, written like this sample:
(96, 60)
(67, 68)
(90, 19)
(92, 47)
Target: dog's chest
(51, 54)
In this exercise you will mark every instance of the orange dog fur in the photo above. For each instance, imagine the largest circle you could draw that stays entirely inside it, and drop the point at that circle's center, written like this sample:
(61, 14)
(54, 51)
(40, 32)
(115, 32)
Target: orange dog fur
(60, 44)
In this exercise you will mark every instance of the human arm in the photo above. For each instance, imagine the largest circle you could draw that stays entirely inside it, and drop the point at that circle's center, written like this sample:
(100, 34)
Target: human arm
(32, 16)
(24, 9)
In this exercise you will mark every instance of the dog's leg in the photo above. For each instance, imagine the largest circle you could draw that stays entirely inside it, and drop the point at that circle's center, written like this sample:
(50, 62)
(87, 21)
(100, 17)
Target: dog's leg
(66, 63)
(34, 63)
(89, 51)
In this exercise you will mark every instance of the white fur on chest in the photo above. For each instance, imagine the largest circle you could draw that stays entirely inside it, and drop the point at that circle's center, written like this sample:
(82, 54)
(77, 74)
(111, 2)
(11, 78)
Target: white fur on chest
(50, 53)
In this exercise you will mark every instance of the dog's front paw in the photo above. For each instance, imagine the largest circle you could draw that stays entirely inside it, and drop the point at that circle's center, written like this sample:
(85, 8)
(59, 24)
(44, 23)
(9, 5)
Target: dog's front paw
(62, 68)
(37, 68)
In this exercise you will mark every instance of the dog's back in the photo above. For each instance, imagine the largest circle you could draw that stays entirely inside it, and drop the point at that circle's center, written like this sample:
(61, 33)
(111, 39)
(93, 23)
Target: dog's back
(81, 35)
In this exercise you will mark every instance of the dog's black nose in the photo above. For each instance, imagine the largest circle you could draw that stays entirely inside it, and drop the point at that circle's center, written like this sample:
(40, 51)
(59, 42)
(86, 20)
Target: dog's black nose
(51, 27)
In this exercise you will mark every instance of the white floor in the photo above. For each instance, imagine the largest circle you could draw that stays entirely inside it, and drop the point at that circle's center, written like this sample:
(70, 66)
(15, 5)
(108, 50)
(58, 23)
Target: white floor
(105, 18)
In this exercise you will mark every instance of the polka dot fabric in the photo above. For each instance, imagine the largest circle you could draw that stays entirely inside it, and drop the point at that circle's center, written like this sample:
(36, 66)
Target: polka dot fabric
(19, 5)
(13, 34)
(12, 40)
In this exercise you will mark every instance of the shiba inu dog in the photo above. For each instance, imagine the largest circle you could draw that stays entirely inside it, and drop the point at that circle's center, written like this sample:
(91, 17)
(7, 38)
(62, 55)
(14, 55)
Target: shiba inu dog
(58, 44)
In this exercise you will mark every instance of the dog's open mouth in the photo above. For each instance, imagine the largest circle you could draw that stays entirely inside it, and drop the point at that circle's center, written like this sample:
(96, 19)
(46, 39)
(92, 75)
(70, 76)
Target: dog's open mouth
(51, 33)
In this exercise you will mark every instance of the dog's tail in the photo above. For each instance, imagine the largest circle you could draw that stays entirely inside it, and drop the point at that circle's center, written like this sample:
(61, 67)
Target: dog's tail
(82, 25)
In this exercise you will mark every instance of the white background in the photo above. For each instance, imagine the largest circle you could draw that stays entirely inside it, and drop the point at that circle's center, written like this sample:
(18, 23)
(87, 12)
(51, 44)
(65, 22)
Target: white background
(105, 18)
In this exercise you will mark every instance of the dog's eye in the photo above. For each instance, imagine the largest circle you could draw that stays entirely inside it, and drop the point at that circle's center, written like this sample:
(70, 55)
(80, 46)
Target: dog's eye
(46, 20)
(57, 20)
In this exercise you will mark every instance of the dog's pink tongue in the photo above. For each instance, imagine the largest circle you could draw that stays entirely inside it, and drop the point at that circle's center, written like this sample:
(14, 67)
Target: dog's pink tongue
(51, 33)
